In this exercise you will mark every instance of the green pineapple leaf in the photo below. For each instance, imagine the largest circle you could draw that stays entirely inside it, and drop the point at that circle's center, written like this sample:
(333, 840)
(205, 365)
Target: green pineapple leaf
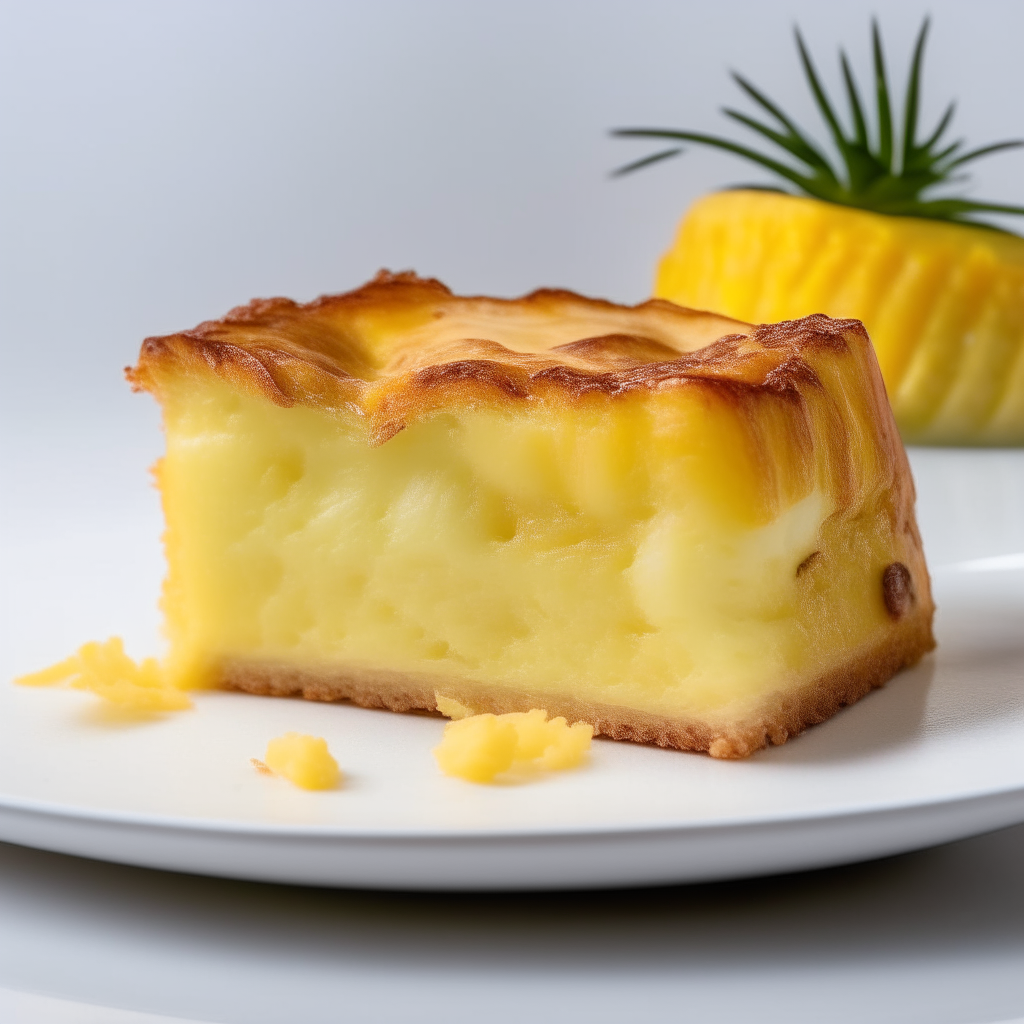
(875, 174)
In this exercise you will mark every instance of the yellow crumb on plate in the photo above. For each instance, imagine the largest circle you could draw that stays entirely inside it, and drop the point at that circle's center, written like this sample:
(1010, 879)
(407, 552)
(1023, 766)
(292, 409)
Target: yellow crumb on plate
(304, 760)
(105, 670)
(480, 747)
(451, 708)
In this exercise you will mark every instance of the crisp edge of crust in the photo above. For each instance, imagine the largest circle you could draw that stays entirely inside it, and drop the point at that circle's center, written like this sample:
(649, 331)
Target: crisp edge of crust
(264, 348)
(781, 716)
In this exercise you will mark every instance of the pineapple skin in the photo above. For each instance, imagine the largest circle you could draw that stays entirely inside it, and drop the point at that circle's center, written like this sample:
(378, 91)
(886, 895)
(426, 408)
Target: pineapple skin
(943, 303)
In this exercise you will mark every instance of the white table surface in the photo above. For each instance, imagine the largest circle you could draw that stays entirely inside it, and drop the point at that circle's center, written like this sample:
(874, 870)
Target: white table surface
(931, 937)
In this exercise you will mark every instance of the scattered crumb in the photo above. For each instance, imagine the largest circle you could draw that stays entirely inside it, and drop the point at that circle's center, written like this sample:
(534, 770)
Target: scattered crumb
(304, 760)
(260, 766)
(105, 670)
(480, 747)
(451, 708)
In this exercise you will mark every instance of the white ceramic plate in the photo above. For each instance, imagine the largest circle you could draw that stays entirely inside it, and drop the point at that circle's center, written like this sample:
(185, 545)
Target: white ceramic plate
(935, 756)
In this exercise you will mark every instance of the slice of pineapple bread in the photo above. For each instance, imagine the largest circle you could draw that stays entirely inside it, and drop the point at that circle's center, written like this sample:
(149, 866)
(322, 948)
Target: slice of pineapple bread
(679, 528)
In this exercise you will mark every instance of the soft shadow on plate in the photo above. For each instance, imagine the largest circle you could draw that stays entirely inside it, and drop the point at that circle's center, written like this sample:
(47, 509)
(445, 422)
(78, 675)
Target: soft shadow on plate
(885, 719)
(973, 679)
(103, 714)
(980, 629)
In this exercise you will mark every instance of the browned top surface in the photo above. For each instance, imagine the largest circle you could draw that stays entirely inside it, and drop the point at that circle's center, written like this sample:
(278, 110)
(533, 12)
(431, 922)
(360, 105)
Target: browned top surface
(807, 395)
(402, 344)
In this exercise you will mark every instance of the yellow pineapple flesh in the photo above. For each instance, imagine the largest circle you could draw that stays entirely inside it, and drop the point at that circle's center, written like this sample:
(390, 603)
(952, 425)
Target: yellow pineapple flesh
(943, 303)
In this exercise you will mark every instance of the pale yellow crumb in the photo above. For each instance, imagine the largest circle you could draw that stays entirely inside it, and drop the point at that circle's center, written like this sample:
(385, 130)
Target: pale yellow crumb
(304, 760)
(58, 673)
(570, 746)
(451, 708)
(477, 748)
(260, 766)
(105, 670)
(480, 747)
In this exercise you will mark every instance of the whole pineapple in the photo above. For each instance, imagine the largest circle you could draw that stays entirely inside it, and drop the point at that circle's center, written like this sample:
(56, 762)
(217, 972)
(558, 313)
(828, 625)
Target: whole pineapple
(942, 296)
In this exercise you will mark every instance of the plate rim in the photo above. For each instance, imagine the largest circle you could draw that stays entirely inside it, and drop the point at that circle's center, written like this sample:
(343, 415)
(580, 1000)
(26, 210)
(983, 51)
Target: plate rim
(215, 826)
(674, 848)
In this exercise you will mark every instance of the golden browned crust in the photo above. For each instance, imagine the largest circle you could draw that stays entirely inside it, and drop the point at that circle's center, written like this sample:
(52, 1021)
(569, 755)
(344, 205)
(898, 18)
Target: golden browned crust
(403, 348)
(780, 716)
(557, 345)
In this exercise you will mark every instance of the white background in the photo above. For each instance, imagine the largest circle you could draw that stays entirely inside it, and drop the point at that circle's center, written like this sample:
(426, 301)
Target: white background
(162, 162)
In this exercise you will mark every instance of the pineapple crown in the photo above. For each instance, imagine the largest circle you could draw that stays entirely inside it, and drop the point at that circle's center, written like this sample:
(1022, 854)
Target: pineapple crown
(877, 173)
